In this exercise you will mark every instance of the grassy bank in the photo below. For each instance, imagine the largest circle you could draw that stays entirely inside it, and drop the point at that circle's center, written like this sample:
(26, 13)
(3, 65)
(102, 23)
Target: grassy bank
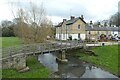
(107, 58)
(37, 70)
(10, 41)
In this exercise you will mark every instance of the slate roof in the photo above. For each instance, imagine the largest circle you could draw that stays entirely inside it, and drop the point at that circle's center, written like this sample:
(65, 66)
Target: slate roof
(74, 20)
(96, 28)
(68, 22)
(59, 25)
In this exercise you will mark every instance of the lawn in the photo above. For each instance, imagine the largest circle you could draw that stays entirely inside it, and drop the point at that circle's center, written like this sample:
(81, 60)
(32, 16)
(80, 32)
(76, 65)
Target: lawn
(107, 58)
(10, 41)
(37, 70)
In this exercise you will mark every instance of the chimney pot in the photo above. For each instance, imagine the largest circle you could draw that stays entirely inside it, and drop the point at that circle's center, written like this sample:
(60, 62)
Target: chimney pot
(82, 17)
(64, 20)
(72, 17)
(91, 23)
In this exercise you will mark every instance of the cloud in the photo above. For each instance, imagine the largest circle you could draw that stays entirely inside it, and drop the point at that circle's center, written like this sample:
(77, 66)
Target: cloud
(5, 13)
(59, 9)
(92, 10)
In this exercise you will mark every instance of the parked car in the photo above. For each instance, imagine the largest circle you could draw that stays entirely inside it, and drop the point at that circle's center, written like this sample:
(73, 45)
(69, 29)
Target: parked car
(117, 38)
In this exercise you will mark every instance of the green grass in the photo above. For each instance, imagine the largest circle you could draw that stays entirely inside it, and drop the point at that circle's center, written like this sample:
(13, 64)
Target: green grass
(0, 42)
(10, 41)
(107, 58)
(37, 70)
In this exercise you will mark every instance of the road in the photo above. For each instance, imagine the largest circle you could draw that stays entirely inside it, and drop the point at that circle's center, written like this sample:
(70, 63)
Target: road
(87, 44)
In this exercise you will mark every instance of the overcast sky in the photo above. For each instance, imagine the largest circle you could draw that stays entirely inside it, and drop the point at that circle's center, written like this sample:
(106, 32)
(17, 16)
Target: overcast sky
(58, 9)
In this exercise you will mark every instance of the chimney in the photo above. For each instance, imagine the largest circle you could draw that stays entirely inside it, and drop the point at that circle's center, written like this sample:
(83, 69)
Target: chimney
(99, 24)
(82, 17)
(91, 24)
(110, 23)
(72, 17)
(64, 20)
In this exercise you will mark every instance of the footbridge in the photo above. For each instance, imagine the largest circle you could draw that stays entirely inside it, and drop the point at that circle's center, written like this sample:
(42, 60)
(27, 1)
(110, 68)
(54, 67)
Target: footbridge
(15, 57)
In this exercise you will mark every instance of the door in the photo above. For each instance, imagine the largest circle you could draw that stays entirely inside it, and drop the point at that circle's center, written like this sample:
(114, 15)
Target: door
(79, 36)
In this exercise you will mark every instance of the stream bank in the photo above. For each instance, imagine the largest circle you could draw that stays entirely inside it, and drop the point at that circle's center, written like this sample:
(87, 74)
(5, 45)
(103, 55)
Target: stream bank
(75, 68)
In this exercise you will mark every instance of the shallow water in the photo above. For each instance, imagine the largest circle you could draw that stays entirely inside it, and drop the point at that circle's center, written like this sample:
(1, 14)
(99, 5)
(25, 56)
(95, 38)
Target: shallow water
(73, 69)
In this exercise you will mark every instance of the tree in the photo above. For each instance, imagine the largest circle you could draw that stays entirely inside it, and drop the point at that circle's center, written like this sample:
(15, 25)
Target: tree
(7, 28)
(98, 23)
(105, 24)
(33, 24)
(6, 23)
(115, 19)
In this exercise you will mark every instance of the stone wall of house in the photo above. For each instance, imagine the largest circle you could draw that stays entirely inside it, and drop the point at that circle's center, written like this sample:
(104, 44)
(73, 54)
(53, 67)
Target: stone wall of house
(14, 62)
(75, 29)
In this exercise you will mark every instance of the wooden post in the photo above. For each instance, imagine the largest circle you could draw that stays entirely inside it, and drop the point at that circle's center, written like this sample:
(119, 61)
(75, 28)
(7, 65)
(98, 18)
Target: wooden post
(79, 43)
(44, 45)
(66, 45)
(10, 54)
(70, 44)
(49, 47)
(94, 44)
(55, 47)
(34, 45)
(41, 49)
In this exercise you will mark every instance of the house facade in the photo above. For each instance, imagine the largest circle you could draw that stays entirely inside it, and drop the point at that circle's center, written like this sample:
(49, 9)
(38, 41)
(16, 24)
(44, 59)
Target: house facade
(71, 29)
(76, 28)
(97, 31)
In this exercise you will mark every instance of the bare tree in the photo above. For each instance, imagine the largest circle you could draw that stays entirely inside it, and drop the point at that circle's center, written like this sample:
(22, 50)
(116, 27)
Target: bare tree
(33, 24)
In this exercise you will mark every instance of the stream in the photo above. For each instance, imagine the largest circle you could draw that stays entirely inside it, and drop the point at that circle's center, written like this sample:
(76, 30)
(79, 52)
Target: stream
(75, 68)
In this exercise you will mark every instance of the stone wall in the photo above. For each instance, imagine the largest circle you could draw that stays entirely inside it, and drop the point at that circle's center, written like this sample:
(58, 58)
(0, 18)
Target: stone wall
(14, 62)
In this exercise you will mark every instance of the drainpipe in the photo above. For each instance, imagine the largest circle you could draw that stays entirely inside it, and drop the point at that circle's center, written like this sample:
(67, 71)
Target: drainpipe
(61, 38)
(66, 36)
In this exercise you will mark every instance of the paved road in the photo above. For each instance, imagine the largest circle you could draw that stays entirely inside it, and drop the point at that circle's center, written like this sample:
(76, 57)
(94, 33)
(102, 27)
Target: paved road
(75, 42)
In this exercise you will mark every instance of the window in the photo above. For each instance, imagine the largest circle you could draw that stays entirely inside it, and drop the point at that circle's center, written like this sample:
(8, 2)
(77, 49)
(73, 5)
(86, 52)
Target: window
(98, 32)
(78, 26)
(106, 32)
(89, 32)
(113, 32)
(79, 35)
(63, 36)
(59, 36)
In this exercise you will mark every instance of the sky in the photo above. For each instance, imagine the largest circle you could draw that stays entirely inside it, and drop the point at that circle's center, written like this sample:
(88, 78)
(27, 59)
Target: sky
(57, 10)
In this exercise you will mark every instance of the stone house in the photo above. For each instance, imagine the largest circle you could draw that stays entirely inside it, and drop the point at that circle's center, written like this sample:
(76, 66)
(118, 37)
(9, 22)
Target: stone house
(76, 28)
(96, 31)
(71, 29)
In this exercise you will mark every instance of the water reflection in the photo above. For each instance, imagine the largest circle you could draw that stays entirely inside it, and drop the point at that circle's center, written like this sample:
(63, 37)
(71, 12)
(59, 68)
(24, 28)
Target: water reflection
(73, 69)
(49, 61)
